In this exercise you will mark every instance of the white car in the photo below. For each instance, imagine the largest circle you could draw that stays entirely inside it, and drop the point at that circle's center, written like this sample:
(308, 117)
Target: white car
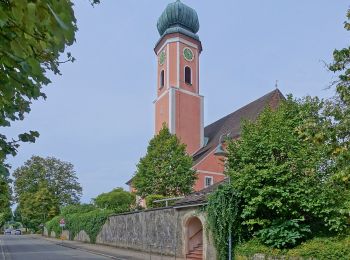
(7, 232)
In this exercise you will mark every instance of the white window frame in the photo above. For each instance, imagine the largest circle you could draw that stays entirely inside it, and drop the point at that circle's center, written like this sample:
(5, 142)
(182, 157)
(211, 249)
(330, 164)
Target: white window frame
(211, 181)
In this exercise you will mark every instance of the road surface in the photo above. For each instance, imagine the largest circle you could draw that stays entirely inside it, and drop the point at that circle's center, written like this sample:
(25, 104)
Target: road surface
(29, 248)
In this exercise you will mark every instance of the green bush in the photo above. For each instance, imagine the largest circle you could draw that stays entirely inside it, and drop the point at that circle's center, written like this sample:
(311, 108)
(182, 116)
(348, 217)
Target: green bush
(117, 200)
(53, 225)
(284, 234)
(150, 204)
(320, 248)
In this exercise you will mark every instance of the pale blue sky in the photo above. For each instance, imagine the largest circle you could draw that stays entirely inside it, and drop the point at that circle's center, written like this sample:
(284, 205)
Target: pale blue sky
(99, 114)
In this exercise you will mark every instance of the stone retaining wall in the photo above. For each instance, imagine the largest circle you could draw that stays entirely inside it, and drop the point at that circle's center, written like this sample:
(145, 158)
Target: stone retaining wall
(161, 231)
(155, 230)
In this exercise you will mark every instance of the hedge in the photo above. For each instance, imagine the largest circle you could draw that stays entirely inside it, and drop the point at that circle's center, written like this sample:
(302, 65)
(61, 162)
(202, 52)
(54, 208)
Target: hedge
(320, 248)
(91, 222)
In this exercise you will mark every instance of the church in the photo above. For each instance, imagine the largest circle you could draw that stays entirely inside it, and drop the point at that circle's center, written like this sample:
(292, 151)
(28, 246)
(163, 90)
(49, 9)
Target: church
(179, 103)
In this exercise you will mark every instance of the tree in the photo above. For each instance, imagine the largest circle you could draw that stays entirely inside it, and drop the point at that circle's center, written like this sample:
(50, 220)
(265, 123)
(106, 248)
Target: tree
(5, 200)
(77, 208)
(59, 176)
(33, 36)
(282, 188)
(42, 186)
(286, 181)
(166, 168)
(38, 207)
(117, 200)
(338, 110)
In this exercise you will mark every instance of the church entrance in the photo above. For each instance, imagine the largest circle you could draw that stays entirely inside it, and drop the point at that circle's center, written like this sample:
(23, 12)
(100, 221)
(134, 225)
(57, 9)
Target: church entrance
(194, 239)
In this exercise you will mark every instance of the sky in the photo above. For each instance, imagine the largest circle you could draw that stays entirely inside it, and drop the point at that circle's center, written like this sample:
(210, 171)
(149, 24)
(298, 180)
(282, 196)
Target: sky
(99, 114)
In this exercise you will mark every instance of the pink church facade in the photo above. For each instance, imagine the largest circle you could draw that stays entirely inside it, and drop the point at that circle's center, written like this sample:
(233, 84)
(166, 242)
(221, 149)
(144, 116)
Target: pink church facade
(180, 105)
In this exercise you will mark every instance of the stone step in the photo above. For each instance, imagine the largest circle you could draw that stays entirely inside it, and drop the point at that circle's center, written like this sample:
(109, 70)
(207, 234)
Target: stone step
(194, 255)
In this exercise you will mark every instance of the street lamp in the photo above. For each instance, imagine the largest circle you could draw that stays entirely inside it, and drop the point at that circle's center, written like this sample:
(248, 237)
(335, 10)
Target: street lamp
(220, 150)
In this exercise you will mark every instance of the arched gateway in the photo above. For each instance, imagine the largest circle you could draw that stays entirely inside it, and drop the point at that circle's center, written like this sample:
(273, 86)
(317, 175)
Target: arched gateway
(194, 238)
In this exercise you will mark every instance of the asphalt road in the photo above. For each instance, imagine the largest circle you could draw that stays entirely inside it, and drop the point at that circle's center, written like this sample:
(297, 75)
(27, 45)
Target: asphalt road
(28, 248)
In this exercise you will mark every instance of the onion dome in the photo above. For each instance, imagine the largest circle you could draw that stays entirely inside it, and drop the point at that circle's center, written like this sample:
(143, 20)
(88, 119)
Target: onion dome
(178, 17)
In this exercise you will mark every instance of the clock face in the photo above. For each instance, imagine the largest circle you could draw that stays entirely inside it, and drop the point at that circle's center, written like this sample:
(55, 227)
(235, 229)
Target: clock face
(188, 54)
(162, 57)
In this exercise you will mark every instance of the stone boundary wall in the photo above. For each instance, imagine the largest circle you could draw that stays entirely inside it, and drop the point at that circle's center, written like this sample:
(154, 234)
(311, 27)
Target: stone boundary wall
(46, 232)
(82, 236)
(158, 231)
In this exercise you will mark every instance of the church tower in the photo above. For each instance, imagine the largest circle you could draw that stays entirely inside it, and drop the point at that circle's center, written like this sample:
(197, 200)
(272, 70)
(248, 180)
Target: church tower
(179, 104)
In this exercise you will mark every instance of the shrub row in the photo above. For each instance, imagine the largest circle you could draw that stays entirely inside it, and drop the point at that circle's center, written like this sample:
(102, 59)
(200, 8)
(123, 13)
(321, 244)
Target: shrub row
(320, 248)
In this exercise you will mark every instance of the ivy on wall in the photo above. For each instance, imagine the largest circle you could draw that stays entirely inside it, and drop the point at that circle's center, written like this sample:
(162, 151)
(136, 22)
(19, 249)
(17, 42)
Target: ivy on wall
(91, 222)
(223, 219)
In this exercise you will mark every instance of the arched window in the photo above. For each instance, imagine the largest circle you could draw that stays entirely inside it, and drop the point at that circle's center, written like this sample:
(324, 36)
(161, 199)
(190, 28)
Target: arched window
(162, 79)
(188, 75)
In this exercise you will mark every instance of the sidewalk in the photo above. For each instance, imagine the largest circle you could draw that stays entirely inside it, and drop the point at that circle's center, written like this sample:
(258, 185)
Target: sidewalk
(108, 251)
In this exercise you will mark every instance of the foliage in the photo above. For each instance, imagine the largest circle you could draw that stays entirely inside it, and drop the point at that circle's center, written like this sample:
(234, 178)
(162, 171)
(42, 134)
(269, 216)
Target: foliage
(78, 208)
(267, 165)
(223, 218)
(17, 214)
(117, 200)
(59, 176)
(279, 177)
(150, 204)
(321, 248)
(5, 200)
(42, 186)
(13, 225)
(54, 225)
(338, 110)
(89, 221)
(37, 207)
(33, 36)
(166, 168)
(282, 234)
